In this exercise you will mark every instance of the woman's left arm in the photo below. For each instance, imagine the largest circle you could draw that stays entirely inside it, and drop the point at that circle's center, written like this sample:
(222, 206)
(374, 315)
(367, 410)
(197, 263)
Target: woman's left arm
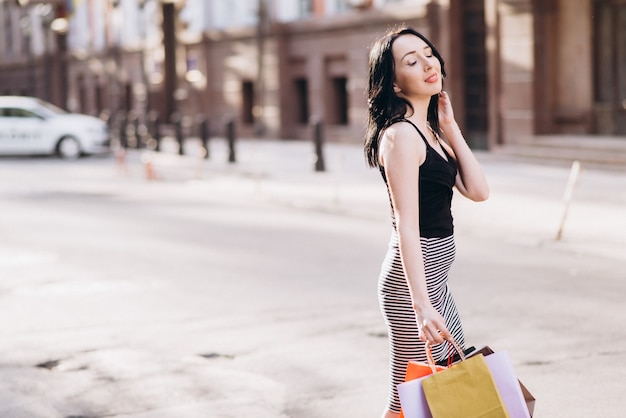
(470, 180)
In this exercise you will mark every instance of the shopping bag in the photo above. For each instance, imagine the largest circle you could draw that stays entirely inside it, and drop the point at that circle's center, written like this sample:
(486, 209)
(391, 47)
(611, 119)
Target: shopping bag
(465, 390)
(508, 386)
(417, 369)
(529, 399)
(413, 394)
(412, 399)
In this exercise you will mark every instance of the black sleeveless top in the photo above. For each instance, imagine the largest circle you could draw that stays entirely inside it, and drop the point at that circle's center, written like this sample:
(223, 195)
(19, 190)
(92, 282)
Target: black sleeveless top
(436, 179)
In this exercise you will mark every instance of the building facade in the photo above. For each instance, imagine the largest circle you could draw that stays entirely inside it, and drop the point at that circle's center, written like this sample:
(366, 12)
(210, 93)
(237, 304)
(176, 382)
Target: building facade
(516, 68)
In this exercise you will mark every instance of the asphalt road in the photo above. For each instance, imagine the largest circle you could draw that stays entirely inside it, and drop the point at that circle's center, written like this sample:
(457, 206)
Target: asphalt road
(250, 289)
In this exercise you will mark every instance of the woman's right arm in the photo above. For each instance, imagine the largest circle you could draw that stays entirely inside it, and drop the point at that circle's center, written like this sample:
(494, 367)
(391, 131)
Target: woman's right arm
(401, 153)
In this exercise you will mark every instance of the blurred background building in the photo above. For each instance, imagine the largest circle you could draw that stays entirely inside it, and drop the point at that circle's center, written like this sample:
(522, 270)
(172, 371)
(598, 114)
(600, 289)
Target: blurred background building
(517, 68)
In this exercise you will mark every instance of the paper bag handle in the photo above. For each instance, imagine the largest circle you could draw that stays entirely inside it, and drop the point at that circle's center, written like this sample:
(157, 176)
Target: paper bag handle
(429, 353)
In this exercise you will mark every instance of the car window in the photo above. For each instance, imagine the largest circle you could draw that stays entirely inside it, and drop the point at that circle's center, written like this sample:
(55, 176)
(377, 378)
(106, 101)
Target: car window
(14, 112)
(51, 109)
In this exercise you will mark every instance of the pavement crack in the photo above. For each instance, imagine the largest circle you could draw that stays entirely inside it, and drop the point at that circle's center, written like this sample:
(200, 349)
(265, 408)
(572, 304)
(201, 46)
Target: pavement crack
(82, 416)
(377, 334)
(585, 356)
(50, 364)
(538, 363)
(216, 355)
(611, 353)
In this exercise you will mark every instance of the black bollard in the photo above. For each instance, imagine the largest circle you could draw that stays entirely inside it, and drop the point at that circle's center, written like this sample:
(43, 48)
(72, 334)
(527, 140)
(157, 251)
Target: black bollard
(230, 136)
(203, 126)
(318, 139)
(155, 129)
(139, 132)
(178, 127)
(122, 121)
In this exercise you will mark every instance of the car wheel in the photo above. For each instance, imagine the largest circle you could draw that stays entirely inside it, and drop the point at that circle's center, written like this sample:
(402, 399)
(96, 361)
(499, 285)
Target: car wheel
(68, 148)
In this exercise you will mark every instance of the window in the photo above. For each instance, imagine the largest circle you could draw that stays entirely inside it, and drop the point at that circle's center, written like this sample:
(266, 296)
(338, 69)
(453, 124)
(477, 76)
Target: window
(8, 28)
(341, 5)
(13, 112)
(339, 97)
(82, 94)
(247, 102)
(306, 7)
(99, 94)
(302, 101)
(128, 96)
(360, 4)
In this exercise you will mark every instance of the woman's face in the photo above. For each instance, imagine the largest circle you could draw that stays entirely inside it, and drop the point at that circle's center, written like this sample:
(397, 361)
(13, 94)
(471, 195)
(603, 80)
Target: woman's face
(417, 70)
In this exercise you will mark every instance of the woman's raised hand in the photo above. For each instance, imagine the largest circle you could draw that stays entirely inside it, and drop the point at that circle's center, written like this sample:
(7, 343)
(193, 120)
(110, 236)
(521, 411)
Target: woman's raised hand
(446, 114)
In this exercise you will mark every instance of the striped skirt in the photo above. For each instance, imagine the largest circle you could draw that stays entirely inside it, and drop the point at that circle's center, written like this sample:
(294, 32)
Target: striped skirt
(397, 308)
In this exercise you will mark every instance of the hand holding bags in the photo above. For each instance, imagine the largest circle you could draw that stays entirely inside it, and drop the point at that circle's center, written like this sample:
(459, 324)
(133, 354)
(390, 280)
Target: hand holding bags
(475, 387)
(465, 390)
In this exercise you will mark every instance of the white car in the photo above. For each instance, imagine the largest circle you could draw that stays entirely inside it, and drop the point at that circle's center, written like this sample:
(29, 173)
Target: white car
(30, 126)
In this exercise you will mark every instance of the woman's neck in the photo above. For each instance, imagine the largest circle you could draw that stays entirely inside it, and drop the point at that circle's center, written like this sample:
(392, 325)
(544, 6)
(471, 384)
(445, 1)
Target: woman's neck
(419, 113)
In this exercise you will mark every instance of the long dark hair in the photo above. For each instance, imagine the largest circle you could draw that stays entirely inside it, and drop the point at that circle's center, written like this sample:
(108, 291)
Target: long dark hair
(384, 106)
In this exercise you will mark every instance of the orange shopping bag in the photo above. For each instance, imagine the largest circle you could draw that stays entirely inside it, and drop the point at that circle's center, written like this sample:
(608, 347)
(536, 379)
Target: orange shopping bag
(417, 369)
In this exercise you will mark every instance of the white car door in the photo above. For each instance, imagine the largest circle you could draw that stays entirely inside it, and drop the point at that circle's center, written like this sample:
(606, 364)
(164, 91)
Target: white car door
(21, 131)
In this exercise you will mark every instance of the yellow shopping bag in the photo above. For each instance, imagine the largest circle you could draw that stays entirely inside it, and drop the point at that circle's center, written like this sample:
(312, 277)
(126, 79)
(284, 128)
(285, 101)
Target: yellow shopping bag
(465, 390)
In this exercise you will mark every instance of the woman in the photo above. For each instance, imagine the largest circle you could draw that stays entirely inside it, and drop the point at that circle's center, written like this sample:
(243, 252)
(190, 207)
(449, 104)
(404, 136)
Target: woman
(413, 138)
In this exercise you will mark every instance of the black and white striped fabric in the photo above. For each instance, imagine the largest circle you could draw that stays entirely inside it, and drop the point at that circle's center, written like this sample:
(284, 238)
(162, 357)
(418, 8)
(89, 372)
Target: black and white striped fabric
(397, 308)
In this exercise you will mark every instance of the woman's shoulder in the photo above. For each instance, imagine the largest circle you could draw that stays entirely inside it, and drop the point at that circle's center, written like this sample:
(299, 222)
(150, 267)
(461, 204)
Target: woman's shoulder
(402, 138)
(399, 129)
(402, 132)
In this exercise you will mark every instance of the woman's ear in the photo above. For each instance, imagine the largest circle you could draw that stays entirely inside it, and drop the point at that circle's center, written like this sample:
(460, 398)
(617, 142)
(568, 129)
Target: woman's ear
(396, 89)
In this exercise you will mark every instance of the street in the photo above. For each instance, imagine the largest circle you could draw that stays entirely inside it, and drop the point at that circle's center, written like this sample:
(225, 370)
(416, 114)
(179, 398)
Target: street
(249, 289)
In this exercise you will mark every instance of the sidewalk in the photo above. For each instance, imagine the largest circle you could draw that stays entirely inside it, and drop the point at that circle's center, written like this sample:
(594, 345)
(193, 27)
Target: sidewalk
(281, 171)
